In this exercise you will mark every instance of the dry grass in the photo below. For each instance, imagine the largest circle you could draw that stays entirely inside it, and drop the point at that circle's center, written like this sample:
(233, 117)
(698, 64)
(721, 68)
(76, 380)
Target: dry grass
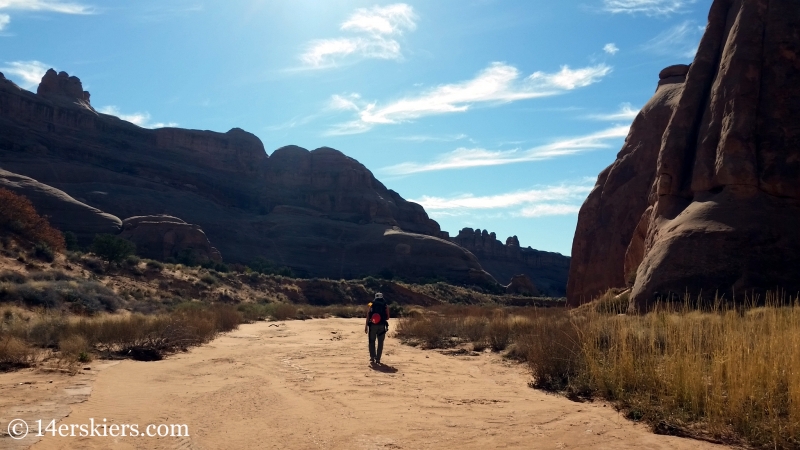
(729, 374)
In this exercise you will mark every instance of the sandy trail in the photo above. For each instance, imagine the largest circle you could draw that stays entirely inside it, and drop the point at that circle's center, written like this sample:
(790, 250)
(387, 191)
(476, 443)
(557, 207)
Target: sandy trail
(308, 385)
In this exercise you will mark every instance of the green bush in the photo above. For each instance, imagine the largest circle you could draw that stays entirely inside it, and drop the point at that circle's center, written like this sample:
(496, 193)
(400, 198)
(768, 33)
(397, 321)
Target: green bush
(112, 248)
(44, 252)
(71, 241)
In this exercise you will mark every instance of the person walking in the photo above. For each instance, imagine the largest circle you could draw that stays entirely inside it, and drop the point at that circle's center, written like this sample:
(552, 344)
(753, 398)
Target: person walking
(376, 327)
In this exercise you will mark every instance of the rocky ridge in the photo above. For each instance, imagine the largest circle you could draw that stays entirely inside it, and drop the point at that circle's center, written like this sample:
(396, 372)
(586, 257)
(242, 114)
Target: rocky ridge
(319, 212)
(546, 270)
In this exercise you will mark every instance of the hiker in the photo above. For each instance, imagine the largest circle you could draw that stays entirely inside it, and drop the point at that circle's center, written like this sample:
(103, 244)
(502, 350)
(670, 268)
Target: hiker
(377, 326)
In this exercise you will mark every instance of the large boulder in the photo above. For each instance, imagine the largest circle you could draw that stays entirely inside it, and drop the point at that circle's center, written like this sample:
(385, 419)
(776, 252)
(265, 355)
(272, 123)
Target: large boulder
(62, 211)
(163, 237)
(610, 215)
(725, 216)
(521, 285)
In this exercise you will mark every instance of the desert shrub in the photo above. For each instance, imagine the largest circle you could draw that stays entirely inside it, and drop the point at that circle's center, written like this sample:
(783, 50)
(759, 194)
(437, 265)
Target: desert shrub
(474, 329)
(18, 216)
(71, 241)
(432, 331)
(154, 265)
(252, 312)
(73, 346)
(95, 265)
(44, 252)
(46, 331)
(268, 267)
(132, 261)
(15, 353)
(499, 333)
(55, 289)
(554, 352)
(283, 311)
(215, 265)
(9, 276)
(208, 279)
(396, 310)
(112, 248)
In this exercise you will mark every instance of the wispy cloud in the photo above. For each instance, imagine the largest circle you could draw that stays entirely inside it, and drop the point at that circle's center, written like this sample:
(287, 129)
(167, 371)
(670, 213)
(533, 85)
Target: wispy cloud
(424, 138)
(499, 83)
(5, 19)
(681, 40)
(463, 158)
(648, 7)
(376, 31)
(27, 74)
(141, 119)
(626, 113)
(611, 48)
(46, 5)
(542, 201)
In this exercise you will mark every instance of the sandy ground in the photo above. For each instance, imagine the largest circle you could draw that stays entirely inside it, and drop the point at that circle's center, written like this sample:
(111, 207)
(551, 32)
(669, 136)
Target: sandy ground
(308, 385)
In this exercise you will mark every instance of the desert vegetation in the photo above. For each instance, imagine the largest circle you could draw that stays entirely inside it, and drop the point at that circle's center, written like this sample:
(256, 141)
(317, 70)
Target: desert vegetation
(729, 374)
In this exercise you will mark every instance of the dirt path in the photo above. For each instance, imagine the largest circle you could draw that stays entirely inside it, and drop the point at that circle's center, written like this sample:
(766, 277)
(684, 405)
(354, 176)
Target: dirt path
(308, 385)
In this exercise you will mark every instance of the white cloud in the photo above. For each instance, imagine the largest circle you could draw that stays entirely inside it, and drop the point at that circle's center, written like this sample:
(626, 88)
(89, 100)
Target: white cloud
(425, 138)
(543, 201)
(463, 158)
(392, 19)
(46, 5)
(377, 28)
(611, 48)
(648, 7)
(138, 118)
(681, 40)
(498, 83)
(27, 74)
(4, 20)
(626, 112)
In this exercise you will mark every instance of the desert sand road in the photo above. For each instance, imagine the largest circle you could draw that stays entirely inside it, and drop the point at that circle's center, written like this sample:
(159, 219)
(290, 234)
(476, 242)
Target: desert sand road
(308, 385)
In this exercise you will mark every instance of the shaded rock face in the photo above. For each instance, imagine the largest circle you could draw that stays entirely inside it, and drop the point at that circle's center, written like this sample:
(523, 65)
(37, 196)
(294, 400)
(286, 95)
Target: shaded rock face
(610, 215)
(547, 270)
(722, 214)
(725, 211)
(521, 285)
(62, 85)
(319, 212)
(61, 210)
(162, 237)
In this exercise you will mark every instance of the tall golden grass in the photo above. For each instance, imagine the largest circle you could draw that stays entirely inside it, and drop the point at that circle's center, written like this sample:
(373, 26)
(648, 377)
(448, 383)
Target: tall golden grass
(726, 374)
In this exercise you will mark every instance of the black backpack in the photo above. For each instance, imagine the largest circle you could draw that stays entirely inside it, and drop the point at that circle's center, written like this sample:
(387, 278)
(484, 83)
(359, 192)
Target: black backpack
(379, 307)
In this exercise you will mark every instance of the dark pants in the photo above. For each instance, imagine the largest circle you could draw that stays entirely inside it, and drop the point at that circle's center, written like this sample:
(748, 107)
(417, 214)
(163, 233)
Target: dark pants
(376, 331)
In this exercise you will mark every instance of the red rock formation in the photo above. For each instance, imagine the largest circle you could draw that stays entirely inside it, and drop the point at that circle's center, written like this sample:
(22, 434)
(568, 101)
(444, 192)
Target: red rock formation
(62, 211)
(319, 212)
(547, 270)
(62, 86)
(610, 214)
(722, 215)
(162, 237)
(521, 285)
(726, 205)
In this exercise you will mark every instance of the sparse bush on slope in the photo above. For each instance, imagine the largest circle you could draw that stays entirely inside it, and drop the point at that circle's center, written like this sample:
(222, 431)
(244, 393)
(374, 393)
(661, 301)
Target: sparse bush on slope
(18, 216)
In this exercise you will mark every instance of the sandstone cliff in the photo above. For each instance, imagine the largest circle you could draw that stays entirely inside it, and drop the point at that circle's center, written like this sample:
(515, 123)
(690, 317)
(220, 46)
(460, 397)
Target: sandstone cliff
(547, 270)
(609, 216)
(318, 212)
(723, 212)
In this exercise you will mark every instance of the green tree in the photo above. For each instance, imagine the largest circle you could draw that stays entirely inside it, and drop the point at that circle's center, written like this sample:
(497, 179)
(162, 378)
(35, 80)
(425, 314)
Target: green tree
(112, 248)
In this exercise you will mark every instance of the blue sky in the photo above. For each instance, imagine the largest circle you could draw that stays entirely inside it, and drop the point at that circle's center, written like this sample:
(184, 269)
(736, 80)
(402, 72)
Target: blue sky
(492, 114)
